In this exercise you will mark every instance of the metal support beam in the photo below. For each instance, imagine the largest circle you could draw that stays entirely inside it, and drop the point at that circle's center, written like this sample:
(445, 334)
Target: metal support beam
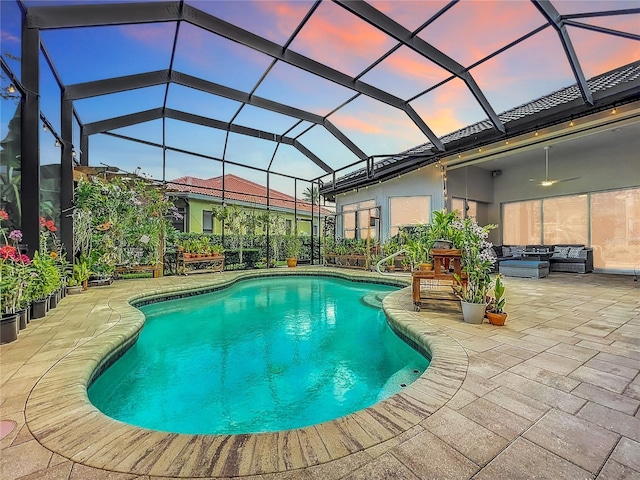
(29, 148)
(123, 121)
(307, 153)
(549, 12)
(344, 139)
(255, 42)
(66, 176)
(84, 147)
(117, 84)
(66, 16)
(379, 20)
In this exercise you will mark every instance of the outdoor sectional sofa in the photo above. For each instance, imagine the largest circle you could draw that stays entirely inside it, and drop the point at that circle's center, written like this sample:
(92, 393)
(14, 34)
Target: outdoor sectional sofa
(571, 258)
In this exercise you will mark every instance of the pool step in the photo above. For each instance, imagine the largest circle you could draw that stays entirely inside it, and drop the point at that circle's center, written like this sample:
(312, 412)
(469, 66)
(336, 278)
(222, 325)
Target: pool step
(374, 299)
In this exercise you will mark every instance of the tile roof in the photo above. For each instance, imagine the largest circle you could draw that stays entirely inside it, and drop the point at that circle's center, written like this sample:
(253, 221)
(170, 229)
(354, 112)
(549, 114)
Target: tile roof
(606, 81)
(241, 190)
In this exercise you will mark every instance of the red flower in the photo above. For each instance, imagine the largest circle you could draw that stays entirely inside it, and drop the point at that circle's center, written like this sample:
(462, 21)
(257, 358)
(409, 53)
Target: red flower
(4, 215)
(52, 228)
(43, 222)
(8, 252)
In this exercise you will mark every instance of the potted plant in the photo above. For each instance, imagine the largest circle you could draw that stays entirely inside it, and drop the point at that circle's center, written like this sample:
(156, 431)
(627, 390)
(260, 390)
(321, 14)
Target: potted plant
(495, 310)
(294, 245)
(43, 280)
(441, 231)
(82, 271)
(73, 287)
(477, 264)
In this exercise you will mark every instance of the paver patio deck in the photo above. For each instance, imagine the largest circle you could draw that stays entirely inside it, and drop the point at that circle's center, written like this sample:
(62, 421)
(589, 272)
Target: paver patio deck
(553, 394)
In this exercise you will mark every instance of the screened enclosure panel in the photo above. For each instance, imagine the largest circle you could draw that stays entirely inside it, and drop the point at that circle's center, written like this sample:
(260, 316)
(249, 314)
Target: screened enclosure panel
(118, 104)
(274, 20)
(405, 74)
(250, 151)
(183, 165)
(449, 107)
(293, 86)
(540, 59)
(265, 120)
(94, 53)
(49, 95)
(289, 161)
(195, 138)
(299, 129)
(582, 6)
(11, 35)
(327, 147)
(203, 54)
(621, 23)
(340, 40)
(201, 103)
(410, 13)
(131, 157)
(148, 131)
(376, 127)
(485, 26)
(598, 52)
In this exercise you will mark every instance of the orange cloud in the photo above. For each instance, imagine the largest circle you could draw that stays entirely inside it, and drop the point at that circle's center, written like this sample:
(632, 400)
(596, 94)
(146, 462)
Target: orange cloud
(599, 52)
(410, 14)
(339, 39)
(157, 35)
(407, 62)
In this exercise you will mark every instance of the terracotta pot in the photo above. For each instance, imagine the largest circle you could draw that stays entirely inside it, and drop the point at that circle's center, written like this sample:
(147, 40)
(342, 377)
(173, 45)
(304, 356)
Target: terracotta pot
(425, 267)
(292, 262)
(75, 289)
(497, 318)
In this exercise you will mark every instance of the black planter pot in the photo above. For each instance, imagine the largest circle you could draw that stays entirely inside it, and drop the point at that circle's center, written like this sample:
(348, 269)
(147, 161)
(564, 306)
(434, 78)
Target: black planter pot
(38, 309)
(53, 300)
(23, 318)
(9, 327)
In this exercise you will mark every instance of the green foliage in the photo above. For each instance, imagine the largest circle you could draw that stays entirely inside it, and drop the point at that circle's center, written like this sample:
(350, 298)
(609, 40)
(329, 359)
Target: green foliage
(294, 246)
(499, 301)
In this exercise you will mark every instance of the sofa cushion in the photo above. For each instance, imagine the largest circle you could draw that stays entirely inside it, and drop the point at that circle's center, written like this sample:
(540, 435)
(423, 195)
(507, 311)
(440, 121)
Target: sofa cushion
(506, 252)
(560, 252)
(574, 252)
(497, 249)
(516, 251)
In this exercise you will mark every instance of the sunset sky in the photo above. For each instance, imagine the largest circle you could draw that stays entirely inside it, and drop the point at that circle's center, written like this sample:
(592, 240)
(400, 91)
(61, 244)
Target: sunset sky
(468, 32)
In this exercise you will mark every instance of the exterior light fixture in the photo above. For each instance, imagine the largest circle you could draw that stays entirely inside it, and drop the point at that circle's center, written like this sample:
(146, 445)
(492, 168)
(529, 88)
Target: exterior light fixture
(11, 88)
(506, 142)
(614, 111)
(479, 150)
(535, 134)
(459, 155)
(73, 154)
(44, 128)
(57, 144)
(571, 124)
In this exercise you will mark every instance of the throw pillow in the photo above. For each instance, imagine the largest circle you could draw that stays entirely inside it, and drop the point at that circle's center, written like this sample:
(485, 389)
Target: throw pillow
(506, 251)
(517, 251)
(560, 252)
(574, 252)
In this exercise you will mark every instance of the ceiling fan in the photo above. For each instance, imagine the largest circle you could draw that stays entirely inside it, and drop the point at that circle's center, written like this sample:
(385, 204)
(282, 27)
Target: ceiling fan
(547, 182)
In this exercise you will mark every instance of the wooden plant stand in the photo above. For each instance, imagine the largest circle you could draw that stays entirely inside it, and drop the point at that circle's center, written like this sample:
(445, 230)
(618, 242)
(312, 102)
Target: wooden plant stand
(216, 263)
(156, 270)
(433, 295)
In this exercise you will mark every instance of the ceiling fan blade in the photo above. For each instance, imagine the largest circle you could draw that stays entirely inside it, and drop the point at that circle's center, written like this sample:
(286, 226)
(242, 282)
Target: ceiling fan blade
(566, 179)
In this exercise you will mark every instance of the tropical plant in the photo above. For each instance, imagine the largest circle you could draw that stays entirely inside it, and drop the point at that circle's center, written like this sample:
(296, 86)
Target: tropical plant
(294, 246)
(441, 227)
(498, 301)
(44, 276)
(14, 270)
(477, 259)
(81, 270)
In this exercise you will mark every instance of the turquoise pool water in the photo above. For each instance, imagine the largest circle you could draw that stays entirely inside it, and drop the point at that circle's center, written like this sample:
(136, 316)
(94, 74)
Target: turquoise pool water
(262, 355)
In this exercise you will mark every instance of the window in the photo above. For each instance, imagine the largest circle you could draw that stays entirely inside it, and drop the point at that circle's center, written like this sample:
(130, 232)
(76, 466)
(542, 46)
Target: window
(179, 224)
(565, 220)
(207, 221)
(355, 219)
(458, 205)
(521, 223)
(615, 229)
(408, 211)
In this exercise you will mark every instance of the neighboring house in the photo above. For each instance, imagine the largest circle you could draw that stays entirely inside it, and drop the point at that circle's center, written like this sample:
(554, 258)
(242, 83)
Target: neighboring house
(196, 196)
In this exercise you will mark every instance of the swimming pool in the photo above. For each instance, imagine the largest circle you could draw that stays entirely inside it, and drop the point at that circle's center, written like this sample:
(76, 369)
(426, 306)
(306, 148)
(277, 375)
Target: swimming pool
(261, 355)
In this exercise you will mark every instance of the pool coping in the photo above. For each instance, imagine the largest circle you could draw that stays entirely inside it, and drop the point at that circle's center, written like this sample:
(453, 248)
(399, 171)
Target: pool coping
(61, 417)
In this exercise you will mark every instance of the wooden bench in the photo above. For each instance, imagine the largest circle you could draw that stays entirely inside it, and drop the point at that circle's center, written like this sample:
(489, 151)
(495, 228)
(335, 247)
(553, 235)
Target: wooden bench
(156, 270)
(216, 263)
